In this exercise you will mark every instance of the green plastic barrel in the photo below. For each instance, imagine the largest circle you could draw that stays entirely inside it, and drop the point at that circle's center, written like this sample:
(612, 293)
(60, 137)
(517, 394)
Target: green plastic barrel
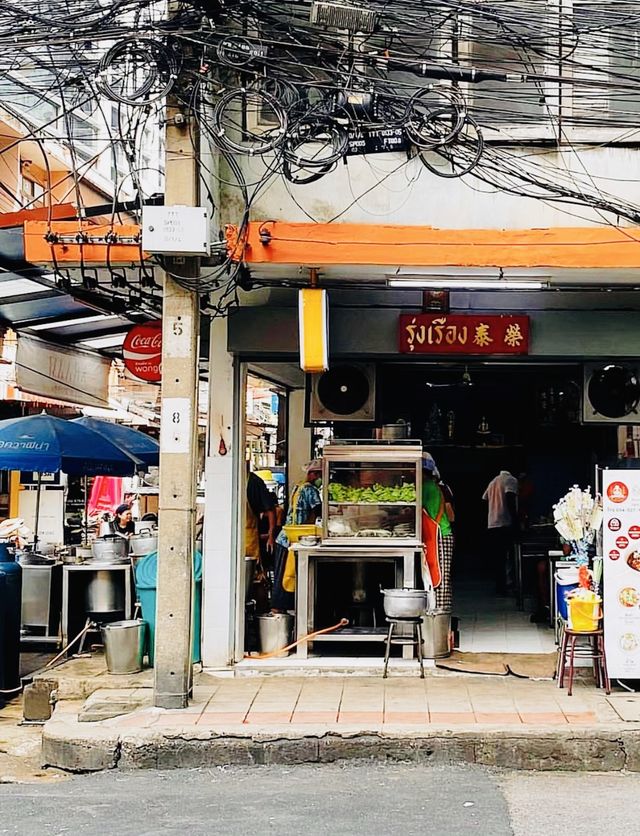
(146, 579)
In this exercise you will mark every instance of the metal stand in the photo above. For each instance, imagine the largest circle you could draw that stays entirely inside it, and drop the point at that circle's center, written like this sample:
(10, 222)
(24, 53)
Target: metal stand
(404, 558)
(414, 640)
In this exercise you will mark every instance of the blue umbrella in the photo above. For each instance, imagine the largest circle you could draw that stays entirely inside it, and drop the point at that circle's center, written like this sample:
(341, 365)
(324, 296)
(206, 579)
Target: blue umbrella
(133, 442)
(47, 444)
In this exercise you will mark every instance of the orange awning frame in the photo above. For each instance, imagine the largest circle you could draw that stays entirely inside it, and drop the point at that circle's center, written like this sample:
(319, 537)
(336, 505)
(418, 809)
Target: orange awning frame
(75, 242)
(315, 245)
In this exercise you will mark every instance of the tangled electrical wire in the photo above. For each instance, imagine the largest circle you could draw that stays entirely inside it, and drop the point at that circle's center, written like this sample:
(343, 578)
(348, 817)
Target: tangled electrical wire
(457, 88)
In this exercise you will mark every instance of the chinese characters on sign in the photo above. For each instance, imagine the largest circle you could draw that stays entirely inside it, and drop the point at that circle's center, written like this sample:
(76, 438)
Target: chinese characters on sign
(463, 334)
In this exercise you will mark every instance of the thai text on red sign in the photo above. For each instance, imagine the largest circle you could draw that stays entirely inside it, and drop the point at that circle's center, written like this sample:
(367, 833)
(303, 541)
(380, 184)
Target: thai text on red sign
(142, 351)
(463, 334)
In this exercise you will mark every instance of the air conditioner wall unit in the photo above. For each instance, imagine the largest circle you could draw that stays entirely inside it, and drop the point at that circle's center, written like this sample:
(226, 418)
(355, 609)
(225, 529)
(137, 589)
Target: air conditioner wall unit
(346, 392)
(611, 393)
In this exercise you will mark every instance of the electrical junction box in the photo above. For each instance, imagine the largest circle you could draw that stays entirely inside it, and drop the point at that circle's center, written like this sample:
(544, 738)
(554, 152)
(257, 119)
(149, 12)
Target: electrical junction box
(175, 230)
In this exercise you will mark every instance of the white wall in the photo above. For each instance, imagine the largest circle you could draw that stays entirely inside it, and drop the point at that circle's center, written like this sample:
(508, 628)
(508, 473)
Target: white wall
(406, 193)
(219, 564)
(299, 437)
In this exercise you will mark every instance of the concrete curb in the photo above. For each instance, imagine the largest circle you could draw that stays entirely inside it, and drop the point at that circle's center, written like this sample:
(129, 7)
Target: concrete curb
(88, 747)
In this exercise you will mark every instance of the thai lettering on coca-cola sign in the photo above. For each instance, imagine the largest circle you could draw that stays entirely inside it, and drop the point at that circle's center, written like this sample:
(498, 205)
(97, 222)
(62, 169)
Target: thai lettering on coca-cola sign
(142, 351)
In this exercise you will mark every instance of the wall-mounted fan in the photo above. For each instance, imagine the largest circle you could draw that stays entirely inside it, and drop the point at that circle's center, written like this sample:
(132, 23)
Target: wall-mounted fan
(611, 394)
(346, 392)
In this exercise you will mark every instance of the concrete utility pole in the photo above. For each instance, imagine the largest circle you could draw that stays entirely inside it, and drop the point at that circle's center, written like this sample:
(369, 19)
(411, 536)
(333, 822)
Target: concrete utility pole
(178, 436)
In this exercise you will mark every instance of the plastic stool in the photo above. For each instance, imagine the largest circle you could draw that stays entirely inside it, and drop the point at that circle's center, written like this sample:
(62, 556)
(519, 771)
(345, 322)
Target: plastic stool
(415, 639)
(594, 650)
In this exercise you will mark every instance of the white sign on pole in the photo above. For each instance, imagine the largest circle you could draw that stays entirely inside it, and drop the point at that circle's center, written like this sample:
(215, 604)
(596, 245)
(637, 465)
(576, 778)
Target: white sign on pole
(621, 554)
(51, 517)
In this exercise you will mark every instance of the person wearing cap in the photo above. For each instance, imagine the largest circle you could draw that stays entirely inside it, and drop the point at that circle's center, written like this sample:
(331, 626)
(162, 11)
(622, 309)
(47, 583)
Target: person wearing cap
(437, 532)
(122, 522)
(304, 506)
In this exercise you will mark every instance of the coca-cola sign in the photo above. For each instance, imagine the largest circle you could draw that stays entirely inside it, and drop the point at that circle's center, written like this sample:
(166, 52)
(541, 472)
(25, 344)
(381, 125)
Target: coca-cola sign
(142, 351)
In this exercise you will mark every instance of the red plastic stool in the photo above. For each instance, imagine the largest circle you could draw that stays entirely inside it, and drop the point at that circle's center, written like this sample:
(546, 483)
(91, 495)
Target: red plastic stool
(594, 650)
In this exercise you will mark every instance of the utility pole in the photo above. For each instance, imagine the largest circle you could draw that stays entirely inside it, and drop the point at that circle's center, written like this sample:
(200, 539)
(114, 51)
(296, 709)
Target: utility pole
(178, 435)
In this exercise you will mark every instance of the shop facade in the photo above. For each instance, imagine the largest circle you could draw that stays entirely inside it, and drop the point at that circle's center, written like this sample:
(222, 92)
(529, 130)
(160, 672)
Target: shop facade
(524, 410)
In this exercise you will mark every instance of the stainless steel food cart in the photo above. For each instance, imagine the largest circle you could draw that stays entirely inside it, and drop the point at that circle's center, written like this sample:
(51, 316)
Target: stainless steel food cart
(371, 514)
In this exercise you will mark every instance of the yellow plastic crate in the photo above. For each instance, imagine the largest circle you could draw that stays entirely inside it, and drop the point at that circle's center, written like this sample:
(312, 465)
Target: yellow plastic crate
(295, 532)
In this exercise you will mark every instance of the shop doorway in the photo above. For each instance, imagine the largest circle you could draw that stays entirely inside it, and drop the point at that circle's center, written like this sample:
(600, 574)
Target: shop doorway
(477, 419)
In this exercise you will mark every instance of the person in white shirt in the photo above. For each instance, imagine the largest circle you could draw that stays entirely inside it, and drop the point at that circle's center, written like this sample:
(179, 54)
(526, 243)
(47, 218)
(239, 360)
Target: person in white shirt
(501, 496)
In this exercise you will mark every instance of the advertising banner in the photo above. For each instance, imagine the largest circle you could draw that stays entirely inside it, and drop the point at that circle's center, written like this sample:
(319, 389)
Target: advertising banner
(621, 552)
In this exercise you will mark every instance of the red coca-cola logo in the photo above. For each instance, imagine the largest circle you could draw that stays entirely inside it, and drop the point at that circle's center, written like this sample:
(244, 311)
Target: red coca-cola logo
(634, 532)
(622, 542)
(142, 351)
(614, 554)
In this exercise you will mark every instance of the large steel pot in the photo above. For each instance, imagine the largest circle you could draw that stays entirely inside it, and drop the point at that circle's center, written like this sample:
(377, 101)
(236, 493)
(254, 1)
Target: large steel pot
(110, 549)
(145, 542)
(404, 603)
(104, 593)
(400, 429)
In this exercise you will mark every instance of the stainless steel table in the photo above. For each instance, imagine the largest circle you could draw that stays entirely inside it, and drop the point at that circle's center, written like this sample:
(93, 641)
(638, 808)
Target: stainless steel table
(404, 558)
(76, 568)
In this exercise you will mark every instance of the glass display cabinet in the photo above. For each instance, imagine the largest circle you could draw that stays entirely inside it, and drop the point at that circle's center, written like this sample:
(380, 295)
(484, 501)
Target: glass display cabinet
(371, 493)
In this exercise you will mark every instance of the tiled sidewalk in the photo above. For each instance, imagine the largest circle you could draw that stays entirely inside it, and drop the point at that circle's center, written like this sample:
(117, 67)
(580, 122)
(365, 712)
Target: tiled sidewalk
(374, 703)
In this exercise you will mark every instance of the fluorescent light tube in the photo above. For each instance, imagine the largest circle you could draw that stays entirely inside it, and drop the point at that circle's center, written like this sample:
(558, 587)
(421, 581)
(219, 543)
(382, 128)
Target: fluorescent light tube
(447, 283)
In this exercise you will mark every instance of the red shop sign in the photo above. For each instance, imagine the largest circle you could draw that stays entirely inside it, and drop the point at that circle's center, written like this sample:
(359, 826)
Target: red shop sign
(463, 334)
(142, 351)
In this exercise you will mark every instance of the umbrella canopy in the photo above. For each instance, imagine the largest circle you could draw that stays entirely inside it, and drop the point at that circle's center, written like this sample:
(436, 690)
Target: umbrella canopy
(133, 442)
(47, 444)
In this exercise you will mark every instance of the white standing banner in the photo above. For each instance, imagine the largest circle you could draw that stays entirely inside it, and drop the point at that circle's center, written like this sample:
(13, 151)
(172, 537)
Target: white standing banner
(621, 553)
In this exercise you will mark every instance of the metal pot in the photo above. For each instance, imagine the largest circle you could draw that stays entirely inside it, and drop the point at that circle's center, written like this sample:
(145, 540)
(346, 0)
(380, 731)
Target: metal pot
(110, 549)
(404, 603)
(104, 593)
(145, 542)
(400, 429)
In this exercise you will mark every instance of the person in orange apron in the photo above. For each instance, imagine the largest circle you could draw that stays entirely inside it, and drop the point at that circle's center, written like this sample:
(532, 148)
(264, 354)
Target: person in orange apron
(304, 506)
(437, 533)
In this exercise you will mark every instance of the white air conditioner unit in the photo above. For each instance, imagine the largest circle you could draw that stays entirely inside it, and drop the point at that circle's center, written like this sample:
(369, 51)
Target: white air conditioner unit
(346, 392)
(611, 393)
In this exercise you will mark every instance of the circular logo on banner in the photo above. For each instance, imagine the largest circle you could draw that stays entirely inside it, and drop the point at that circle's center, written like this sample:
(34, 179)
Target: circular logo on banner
(622, 542)
(142, 351)
(634, 532)
(618, 492)
(614, 554)
(614, 524)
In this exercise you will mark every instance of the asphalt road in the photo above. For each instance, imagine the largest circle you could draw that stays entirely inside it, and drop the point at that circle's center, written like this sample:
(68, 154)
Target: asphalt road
(356, 798)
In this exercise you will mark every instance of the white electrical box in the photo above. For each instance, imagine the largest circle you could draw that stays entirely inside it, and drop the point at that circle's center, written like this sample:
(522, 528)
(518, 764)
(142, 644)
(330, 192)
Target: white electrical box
(175, 230)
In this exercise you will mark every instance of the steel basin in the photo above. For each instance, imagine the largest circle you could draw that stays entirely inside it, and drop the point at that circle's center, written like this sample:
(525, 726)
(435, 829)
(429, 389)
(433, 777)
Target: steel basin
(404, 603)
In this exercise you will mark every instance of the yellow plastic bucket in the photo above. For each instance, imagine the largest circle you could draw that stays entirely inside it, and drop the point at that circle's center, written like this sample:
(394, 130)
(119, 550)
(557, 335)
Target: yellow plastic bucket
(584, 616)
(295, 532)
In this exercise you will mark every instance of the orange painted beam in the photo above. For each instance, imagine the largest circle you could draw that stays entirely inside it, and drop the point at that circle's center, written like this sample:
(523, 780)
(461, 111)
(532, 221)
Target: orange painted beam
(68, 250)
(60, 210)
(278, 242)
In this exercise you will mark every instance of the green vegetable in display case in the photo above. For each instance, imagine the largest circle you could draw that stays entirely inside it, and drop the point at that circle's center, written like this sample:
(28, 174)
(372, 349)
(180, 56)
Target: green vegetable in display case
(376, 493)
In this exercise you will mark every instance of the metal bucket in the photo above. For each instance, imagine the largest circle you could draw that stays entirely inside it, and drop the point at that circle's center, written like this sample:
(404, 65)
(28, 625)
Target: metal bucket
(275, 632)
(401, 429)
(124, 643)
(436, 632)
(104, 593)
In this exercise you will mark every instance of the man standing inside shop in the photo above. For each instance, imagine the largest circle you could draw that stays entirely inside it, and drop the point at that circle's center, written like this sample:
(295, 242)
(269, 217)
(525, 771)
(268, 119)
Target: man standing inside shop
(501, 496)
